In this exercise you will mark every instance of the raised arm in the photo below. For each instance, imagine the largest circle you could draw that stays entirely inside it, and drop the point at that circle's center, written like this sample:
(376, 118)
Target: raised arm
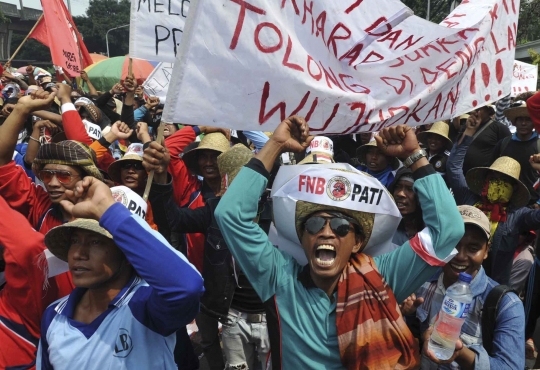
(9, 131)
(168, 215)
(34, 143)
(408, 267)
(454, 165)
(72, 122)
(91, 89)
(173, 302)
(50, 116)
(263, 264)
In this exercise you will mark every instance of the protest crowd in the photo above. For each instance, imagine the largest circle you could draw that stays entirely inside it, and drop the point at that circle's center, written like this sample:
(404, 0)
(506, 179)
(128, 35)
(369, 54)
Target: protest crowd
(131, 242)
(204, 248)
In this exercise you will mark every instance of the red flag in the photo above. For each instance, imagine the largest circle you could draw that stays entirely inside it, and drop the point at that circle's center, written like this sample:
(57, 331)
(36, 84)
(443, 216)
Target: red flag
(58, 31)
(40, 32)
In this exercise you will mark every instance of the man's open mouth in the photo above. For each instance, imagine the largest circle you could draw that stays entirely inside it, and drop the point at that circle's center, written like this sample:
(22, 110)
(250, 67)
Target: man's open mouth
(325, 255)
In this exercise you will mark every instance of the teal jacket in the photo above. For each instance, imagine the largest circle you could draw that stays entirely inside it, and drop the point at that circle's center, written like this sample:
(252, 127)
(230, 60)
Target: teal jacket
(301, 317)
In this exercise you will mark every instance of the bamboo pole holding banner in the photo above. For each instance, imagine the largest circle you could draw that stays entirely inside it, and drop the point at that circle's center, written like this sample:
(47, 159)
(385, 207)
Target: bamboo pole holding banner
(130, 68)
(23, 41)
(150, 179)
(159, 139)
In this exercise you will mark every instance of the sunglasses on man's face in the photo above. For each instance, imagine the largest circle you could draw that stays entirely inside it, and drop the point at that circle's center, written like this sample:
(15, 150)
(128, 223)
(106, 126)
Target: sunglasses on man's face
(64, 177)
(339, 225)
(136, 166)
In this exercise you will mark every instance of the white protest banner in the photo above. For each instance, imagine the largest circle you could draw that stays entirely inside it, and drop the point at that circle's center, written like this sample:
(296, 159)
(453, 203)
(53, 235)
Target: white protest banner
(347, 66)
(157, 83)
(155, 29)
(524, 77)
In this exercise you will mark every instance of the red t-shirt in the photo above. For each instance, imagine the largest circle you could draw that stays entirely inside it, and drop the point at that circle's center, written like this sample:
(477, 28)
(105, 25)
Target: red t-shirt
(187, 188)
(23, 298)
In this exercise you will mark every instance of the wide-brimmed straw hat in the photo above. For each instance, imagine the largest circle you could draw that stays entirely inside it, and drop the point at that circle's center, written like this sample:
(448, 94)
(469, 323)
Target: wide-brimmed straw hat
(439, 128)
(231, 162)
(134, 153)
(215, 141)
(320, 150)
(476, 179)
(58, 239)
(362, 151)
(517, 111)
(305, 209)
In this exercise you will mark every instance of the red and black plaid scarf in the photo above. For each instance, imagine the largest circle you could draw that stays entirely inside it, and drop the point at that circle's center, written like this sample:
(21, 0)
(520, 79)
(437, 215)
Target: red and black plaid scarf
(371, 331)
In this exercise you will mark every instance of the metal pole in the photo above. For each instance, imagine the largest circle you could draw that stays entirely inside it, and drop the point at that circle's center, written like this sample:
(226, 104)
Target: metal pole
(107, 42)
(428, 9)
(107, 37)
(69, 6)
(22, 10)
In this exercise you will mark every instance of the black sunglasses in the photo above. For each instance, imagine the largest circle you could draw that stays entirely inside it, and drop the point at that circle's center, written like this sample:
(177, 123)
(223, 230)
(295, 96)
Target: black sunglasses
(339, 225)
(132, 165)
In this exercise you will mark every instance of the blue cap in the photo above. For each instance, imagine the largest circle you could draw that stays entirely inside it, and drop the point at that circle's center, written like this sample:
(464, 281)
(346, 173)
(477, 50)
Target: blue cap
(465, 277)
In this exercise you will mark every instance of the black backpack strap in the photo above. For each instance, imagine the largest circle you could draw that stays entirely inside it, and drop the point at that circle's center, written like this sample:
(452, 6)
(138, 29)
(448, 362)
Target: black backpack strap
(489, 314)
(504, 144)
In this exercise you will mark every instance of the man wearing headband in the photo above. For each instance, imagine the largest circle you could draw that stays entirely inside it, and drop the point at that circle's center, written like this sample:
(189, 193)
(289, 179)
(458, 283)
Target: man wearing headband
(58, 165)
(127, 304)
(340, 310)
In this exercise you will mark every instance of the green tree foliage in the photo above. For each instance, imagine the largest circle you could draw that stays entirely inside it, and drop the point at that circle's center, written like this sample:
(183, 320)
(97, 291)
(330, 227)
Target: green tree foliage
(31, 50)
(529, 21)
(101, 16)
(534, 56)
(439, 9)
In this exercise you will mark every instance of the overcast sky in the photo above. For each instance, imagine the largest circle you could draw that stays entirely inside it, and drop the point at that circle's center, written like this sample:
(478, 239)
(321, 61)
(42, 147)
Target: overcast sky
(78, 7)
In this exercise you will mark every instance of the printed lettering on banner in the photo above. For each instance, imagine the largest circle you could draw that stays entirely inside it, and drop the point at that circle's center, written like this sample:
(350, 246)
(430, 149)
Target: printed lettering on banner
(355, 190)
(157, 83)
(336, 185)
(524, 77)
(346, 66)
(155, 28)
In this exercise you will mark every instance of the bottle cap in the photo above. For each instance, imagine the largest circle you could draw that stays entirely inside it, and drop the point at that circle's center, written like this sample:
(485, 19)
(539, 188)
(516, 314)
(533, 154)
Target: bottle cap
(465, 277)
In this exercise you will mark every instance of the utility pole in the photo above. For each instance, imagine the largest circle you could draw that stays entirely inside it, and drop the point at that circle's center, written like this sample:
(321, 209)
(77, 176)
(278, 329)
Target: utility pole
(22, 9)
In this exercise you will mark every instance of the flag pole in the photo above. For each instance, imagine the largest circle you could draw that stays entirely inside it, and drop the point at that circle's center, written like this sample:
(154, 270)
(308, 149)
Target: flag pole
(23, 41)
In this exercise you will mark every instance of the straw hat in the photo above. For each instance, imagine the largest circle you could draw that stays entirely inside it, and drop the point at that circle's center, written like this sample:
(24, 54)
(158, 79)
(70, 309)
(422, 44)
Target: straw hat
(515, 112)
(439, 128)
(362, 151)
(305, 209)
(215, 141)
(320, 150)
(464, 116)
(476, 179)
(231, 162)
(134, 153)
(58, 239)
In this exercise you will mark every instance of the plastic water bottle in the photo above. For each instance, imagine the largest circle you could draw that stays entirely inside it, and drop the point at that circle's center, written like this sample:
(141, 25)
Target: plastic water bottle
(454, 311)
